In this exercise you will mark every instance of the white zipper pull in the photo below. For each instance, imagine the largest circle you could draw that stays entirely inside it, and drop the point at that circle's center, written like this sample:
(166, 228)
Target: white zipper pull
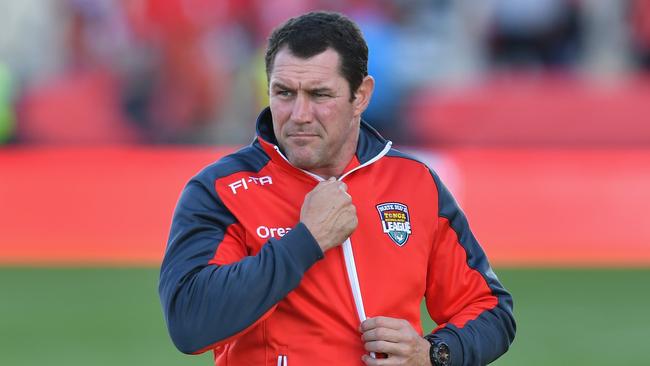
(353, 279)
(282, 360)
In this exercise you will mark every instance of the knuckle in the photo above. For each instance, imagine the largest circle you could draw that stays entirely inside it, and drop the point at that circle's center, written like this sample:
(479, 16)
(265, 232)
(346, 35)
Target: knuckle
(380, 321)
(381, 333)
(369, 346)
(352, 217)
(377, 333)
(370, 361)
(365, 325)
(367, 336)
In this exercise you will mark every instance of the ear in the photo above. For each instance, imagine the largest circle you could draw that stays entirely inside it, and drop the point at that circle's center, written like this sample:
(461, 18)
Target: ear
(363, 95)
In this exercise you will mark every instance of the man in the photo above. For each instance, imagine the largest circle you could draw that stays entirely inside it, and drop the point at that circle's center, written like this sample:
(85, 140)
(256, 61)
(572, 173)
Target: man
(279, 252)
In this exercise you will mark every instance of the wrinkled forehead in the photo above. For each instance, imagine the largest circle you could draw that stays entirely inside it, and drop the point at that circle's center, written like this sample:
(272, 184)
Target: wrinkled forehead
(290, 70)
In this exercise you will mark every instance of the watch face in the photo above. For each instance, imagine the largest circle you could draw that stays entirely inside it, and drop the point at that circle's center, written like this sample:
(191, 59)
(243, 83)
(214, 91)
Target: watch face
(441, 354)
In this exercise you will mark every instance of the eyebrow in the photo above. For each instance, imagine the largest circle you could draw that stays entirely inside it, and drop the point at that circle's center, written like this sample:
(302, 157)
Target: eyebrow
(279, 85)
(322, 89)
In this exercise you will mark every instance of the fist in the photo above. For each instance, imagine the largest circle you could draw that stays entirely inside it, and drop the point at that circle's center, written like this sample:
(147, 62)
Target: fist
(395, 338)
(329, 214)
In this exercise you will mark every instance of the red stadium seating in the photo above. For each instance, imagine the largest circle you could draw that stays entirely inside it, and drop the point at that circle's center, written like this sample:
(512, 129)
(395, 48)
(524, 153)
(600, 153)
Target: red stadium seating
(88, 206)
(534, 111)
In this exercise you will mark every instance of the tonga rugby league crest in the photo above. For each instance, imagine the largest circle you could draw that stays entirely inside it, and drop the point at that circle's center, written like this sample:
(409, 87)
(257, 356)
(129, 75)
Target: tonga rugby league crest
(395, 221)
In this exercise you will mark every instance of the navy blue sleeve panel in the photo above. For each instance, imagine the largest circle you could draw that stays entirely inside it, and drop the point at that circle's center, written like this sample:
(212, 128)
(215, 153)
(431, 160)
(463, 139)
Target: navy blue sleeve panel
(205, 304)
(487, 334)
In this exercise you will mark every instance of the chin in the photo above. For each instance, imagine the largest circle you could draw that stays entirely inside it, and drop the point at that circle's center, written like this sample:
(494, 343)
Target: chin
(302, 161)
(303, 164)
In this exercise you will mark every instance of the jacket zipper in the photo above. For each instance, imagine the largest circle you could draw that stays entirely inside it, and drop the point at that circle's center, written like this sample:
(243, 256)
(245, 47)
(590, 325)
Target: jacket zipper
(350, 266)
(282, 360)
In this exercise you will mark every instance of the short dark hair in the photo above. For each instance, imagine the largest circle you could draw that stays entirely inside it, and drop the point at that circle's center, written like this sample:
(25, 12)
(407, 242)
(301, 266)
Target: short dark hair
(311, 34)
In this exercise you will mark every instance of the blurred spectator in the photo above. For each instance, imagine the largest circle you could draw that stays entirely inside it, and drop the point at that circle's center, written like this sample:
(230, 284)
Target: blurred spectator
(607, 53)
(29, 53)
(640, 19)
(417, 44)
(191, 71)
(381, 35)
(6, 105)
(31, 40)
(540, 33)
(178, 90)
(81, 104)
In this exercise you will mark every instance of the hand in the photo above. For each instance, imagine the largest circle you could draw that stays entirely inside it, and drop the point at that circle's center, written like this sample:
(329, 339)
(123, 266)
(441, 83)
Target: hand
(329, 214)
(395, 338)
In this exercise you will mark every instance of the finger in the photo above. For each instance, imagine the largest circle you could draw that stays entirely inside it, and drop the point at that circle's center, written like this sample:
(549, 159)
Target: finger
(383, 334)
(386, 347)
(382, 322)
(352, 209)
(325, 183)
(343, 186)
(377, 361)
(331, 186)
(340, 190)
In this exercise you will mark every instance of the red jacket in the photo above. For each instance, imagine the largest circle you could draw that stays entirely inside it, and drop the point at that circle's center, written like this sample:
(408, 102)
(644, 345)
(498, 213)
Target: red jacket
(243, 277)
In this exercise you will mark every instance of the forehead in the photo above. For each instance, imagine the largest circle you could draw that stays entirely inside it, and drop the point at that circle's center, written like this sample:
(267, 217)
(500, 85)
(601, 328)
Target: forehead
(321, 69)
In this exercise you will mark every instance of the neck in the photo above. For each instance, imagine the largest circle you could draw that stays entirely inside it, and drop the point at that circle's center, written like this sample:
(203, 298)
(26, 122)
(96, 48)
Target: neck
(327, 172)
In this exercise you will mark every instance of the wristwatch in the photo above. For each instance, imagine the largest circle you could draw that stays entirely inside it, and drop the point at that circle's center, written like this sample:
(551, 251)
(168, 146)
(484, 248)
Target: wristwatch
(438, 352)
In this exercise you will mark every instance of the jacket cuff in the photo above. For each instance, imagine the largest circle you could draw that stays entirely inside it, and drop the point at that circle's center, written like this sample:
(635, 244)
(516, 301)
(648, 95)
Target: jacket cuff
(303, 246)
(453, 342)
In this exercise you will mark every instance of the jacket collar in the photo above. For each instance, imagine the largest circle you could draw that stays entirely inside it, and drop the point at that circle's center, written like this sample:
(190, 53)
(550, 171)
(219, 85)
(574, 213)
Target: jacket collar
(370, 144)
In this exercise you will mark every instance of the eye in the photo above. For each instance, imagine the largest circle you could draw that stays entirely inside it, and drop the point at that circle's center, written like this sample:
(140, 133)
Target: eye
(284, 93)
(321, 95)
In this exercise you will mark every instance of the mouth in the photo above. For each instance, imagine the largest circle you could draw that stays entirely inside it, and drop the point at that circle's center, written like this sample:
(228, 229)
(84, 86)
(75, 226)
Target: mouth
(302, 135)
(302, 139)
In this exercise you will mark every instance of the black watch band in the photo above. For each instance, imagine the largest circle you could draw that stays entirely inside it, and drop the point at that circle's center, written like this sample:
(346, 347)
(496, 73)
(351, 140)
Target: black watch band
(438, 352)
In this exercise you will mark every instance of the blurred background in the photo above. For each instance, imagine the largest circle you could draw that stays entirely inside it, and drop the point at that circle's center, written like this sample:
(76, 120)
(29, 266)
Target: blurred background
(535, 112)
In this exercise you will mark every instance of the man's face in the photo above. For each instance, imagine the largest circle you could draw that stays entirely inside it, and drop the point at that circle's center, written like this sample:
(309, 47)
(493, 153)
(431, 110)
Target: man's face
(314, 121)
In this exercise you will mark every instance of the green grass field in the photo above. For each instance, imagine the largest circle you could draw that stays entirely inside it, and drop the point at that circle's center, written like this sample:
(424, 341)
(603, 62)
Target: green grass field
(112, 317)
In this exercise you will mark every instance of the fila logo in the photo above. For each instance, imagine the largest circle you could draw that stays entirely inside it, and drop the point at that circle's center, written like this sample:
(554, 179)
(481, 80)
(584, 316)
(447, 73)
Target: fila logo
(395, 221)
(245, 182)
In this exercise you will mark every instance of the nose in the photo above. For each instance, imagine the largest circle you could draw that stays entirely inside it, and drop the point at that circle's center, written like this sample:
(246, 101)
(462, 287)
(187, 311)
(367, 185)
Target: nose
(301, 112)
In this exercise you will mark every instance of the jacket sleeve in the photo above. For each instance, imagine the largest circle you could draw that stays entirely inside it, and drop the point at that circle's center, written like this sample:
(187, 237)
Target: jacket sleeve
(206, 303)
(464, 296)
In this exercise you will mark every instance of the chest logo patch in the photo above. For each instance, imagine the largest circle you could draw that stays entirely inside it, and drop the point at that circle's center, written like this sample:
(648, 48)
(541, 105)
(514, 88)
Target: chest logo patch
(395, 221)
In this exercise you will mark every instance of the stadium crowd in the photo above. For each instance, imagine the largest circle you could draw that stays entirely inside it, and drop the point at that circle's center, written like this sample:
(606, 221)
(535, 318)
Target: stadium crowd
(191, 71)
